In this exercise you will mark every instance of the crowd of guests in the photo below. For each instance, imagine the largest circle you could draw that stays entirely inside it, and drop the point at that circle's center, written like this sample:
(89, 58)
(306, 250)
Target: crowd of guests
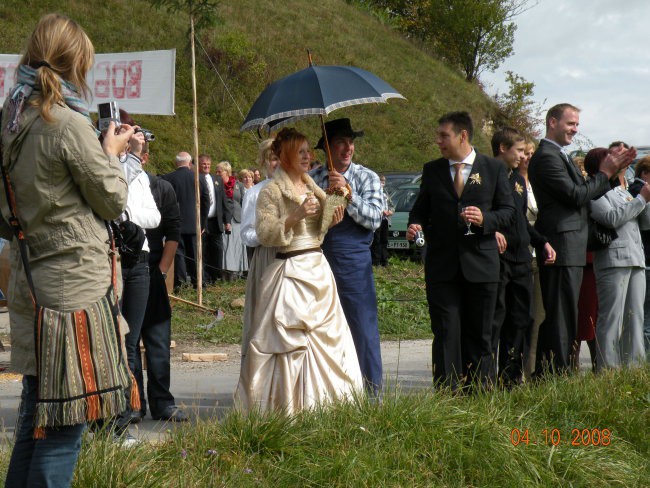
(513, 282)
(507, 280)
(225, 255)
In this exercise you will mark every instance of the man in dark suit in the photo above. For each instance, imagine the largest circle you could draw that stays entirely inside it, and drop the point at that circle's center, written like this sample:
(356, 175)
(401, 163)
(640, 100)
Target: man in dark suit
(464, 198)
(513, 318)
(562, 196)
(219, 215)
(183, 182)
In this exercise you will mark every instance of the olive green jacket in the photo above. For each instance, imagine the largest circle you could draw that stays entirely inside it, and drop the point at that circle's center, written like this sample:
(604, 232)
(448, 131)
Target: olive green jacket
(65, 186)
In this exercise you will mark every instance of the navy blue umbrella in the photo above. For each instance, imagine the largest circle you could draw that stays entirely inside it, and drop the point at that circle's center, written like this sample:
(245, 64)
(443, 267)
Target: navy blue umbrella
(316, 90)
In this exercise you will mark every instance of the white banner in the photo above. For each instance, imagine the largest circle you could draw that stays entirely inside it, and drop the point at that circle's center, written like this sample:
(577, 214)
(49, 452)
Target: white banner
(141, 82)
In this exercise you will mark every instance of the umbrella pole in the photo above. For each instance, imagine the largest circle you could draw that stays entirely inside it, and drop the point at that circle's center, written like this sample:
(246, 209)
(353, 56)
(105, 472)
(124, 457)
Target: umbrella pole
(330, 166)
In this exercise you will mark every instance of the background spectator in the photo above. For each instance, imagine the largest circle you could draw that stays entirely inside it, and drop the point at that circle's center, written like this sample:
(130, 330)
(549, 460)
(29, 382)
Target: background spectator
(235, 259)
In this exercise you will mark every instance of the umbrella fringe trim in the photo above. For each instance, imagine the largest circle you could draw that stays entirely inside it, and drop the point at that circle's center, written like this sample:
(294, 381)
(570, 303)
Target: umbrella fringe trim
(294, 115)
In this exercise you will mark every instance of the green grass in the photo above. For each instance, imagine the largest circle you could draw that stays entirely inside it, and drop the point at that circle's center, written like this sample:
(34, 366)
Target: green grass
(401, 304)
(262, 41)
(421, 439)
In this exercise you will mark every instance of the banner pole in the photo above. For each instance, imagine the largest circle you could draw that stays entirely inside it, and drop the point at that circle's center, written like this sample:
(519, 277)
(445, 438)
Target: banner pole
(197, 186)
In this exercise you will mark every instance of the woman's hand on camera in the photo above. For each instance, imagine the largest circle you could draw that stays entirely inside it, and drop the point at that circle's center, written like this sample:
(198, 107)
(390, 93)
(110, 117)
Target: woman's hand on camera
(113, 143)
(136, 142)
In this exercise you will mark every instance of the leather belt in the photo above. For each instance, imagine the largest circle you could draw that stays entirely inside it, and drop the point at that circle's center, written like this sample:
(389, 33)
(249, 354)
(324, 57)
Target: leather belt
(291, 254)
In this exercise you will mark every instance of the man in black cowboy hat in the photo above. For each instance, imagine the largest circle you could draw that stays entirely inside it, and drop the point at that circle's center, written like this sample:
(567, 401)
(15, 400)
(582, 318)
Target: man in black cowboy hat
(347, 245)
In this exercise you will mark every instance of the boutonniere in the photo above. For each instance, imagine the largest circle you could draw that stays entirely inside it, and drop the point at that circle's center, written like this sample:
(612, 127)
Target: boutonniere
(518, 188)
(475, 179)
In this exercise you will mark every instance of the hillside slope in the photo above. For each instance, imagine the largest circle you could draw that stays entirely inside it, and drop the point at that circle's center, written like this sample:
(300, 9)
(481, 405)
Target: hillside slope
(259, 41)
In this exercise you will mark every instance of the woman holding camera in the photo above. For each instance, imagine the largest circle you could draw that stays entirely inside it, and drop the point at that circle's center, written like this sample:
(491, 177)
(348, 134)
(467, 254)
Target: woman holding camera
(301, 352)
(65, 184)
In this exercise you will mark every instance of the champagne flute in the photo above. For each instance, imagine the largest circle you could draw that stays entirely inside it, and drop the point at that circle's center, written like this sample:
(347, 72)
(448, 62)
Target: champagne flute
(467, 223)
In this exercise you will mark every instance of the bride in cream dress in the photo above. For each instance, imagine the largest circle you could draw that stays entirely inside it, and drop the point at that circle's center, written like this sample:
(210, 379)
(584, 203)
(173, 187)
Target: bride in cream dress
(300, 351)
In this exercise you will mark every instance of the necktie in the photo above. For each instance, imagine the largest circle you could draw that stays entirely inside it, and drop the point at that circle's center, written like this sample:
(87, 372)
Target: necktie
(211, 192)
(459, 182)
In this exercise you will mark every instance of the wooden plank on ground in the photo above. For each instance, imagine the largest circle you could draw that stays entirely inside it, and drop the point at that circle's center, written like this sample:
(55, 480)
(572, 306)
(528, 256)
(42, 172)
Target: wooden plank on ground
(203, 356)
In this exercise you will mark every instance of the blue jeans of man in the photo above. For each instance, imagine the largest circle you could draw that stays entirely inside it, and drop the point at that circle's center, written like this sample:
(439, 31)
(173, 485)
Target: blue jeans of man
(45, 462)
(646, 315)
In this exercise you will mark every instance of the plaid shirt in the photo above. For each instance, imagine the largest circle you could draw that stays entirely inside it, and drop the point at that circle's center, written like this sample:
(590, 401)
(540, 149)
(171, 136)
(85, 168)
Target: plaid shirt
(366, 205)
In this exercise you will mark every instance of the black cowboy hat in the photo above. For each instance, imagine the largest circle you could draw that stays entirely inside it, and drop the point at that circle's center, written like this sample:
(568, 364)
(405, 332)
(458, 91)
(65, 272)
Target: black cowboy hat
(338, 127)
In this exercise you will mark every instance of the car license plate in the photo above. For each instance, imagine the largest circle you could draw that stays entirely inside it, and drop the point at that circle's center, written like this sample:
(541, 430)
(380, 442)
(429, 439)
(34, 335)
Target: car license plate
(398, 245)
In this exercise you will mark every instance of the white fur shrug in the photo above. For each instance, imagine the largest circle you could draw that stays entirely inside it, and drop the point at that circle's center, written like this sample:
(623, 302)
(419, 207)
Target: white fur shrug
(276, 201)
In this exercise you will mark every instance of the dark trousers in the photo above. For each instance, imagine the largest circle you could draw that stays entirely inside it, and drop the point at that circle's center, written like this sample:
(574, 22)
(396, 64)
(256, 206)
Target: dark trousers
(185, 260)
(41, 462)
(560, 291)
(512, 319)
(379, 248)
(135, 292)
(156, 337)
(213, 251)
(461, 315)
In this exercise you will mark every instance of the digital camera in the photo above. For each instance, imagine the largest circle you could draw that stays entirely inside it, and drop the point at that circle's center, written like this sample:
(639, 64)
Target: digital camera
(107, 112)
(419, 239)
(148, 135)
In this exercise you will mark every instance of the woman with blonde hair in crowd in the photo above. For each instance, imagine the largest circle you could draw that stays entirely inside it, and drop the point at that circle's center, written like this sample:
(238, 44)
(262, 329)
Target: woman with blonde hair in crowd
(301, 353)
(235, 260)
(259, 257)
(65, 184)
(246, 178)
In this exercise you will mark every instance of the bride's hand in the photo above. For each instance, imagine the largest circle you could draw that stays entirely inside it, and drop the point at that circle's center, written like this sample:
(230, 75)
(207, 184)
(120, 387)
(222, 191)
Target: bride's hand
(310, 206)
(337, 216)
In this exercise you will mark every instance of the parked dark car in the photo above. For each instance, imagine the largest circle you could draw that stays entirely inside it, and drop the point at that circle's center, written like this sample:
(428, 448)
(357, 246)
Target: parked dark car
(403, 198)
(395, 179)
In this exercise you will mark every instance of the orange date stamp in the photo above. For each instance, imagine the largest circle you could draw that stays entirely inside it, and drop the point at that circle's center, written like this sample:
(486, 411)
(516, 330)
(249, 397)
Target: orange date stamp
(555, 437)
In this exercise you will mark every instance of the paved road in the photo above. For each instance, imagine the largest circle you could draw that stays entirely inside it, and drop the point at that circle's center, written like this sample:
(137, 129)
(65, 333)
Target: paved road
(205, 390)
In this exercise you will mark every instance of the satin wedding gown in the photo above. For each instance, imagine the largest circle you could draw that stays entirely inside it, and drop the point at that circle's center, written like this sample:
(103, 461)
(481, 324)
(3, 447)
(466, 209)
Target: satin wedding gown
(301, 352)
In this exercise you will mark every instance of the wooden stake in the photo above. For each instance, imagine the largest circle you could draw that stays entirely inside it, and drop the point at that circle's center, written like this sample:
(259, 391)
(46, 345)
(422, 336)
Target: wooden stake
(197, 186)
(197, 305)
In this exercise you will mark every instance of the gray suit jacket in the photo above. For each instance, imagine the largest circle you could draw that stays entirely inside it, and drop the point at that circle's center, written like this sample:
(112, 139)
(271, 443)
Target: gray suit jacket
(618, 210)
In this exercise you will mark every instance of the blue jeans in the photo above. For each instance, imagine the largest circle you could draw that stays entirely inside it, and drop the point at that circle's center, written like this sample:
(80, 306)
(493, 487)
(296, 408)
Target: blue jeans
(646, 314)
(156, 335)
(135, 291)
(45, 462)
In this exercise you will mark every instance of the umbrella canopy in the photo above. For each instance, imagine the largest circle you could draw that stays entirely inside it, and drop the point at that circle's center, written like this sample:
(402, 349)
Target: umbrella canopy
(316, 90)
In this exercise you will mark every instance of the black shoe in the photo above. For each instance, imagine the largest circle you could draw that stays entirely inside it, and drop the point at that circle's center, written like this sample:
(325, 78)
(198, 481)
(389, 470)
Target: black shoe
(136, 417)
(171, 414)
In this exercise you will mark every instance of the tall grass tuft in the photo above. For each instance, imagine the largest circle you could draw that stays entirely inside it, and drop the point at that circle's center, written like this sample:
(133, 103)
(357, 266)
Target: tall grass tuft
(427, 438)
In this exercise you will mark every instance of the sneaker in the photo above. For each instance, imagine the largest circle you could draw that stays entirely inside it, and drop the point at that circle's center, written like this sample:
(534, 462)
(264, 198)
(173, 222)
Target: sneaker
(125, 439)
